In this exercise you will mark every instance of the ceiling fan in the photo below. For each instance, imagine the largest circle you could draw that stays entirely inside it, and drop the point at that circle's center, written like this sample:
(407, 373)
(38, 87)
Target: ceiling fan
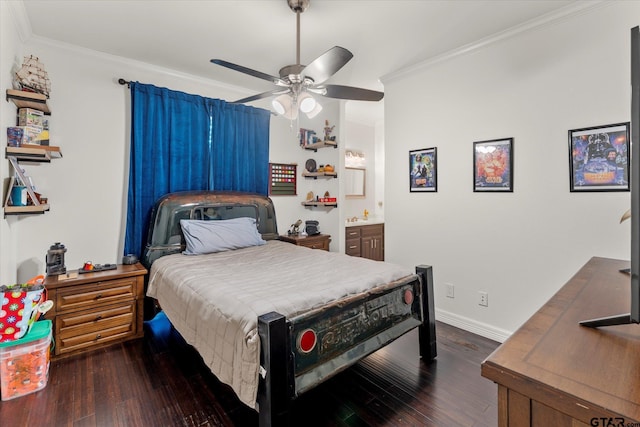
(296, 83)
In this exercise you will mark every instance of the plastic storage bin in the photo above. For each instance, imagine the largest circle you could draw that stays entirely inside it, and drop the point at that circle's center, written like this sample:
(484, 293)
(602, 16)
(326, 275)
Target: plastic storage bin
(24, 363)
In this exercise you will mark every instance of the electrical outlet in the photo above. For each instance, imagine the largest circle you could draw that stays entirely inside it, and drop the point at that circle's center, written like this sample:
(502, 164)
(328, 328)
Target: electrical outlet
(483, 299)
(450, 293)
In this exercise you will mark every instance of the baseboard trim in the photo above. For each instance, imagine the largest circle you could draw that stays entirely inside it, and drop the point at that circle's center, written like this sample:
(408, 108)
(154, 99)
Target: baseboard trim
(478, 328)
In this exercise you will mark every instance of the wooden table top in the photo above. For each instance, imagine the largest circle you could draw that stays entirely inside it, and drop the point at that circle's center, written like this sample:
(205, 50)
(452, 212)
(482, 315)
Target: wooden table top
(578, 370)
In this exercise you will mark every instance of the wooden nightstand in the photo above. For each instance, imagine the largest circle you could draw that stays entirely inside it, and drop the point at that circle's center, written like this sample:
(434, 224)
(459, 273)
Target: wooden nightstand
(96, 309)
(319, 241)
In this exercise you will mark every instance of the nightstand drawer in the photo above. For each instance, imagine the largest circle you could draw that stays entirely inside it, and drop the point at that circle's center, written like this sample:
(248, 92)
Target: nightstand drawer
(317, 241)
(315, 244)
(94, 320)
(91, 339)
(88, 296)
(83, 329)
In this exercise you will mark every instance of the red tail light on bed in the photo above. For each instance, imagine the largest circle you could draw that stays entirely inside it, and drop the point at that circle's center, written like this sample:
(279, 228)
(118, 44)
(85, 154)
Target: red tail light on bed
(307, 341)
(408, 296)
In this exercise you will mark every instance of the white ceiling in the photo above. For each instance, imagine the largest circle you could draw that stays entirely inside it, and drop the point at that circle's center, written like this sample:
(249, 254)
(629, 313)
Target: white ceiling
(183, 35)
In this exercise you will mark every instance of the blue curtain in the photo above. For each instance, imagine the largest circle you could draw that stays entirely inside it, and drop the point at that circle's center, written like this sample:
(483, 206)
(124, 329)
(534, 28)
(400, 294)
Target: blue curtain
(176, 145)
(240, 148)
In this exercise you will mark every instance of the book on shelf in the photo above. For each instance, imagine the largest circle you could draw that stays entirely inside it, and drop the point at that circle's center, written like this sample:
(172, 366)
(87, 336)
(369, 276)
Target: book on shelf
(307, 137)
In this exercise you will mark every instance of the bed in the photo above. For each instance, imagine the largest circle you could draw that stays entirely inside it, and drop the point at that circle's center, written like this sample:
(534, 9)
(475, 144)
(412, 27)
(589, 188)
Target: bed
(269, 318)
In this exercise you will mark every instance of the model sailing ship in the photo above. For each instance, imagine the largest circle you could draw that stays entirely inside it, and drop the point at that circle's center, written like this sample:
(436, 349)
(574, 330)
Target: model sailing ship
(32, 77)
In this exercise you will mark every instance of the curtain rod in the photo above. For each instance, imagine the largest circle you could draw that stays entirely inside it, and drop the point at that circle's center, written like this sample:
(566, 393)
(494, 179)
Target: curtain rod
(128, 83)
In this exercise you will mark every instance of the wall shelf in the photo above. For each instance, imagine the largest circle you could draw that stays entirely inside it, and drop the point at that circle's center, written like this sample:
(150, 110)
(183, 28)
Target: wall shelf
(26, 210)
(316, 175)
(34, 153)
(24, 99)
(321, 144)
(28, 153)
(320, 204)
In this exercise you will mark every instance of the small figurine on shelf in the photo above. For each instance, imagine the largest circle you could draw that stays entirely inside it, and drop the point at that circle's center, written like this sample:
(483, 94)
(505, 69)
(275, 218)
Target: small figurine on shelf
(295, 228)
(327, 131)
(32, 77)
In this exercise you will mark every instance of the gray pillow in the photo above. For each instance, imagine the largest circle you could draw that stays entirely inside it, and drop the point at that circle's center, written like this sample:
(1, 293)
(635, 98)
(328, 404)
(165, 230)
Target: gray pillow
(205, 237)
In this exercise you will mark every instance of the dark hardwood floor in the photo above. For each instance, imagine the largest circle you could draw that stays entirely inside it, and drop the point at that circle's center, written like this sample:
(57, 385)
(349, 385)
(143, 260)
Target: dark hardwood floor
(161, 381)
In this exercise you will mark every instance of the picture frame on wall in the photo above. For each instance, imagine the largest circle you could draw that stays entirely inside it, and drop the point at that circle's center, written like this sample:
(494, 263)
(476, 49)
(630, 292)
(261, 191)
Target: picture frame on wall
(423, 170)
(599, 158)
(493, 165)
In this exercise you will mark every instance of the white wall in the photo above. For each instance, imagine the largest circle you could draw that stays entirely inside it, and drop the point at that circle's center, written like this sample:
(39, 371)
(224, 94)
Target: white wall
(9, 49)
(523, 246)
(285, 148)
(362, 138)
(379, 168)
(87, 188)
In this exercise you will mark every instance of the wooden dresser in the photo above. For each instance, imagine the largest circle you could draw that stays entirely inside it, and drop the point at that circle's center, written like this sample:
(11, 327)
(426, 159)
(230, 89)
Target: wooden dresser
(318, 241)
(554, 372)
(96, 309)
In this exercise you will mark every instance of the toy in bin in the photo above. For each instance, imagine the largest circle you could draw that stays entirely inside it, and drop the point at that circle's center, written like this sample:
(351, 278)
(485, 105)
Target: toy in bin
(24, 363)
(20, 305)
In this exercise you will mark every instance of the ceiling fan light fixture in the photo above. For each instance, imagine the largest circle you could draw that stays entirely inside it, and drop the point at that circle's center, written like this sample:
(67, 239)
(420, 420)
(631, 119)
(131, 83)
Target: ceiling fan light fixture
(292, 114)
(281, 104)
(306, 102)
(316, 110)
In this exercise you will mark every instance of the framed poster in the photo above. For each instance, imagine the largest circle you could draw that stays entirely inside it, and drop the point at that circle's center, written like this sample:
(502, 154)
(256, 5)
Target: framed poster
(423, 170)
(493, 165)
(599, 158)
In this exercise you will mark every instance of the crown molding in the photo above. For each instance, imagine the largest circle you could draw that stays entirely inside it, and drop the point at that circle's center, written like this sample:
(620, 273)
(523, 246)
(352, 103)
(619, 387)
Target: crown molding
(133, 64)
(566, 12)
(25, 33)
(21, 19)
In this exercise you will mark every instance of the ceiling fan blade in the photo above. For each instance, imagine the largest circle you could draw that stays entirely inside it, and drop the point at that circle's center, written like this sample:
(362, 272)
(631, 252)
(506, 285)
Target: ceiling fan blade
(273, 79)
(350, 92)
(327, 64)
(261, 95)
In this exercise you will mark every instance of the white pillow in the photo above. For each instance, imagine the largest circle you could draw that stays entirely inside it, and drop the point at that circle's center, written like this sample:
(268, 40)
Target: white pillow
(205, 237)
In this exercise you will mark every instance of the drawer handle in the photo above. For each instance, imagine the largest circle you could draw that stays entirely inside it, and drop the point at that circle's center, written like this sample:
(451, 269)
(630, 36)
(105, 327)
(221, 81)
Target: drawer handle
(98, 336)
(353, 233)
(353, 247)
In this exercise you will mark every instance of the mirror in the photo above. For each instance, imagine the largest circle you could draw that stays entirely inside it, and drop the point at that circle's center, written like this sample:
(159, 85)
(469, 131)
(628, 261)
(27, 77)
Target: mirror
(354, 183)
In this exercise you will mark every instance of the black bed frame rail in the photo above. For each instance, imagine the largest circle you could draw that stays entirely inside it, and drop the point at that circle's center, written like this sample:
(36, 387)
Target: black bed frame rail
(277, 383)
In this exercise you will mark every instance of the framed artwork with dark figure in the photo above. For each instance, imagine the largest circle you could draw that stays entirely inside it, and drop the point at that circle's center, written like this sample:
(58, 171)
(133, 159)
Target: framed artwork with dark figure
(423, 170)
(493, 165)
(599, 158)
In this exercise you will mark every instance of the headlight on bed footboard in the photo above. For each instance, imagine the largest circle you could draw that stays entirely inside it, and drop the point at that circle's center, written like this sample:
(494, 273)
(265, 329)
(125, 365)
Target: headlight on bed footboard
(306, 341)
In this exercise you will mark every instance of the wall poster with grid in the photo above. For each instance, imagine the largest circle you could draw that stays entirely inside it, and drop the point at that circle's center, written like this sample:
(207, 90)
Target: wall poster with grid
(282, 179)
